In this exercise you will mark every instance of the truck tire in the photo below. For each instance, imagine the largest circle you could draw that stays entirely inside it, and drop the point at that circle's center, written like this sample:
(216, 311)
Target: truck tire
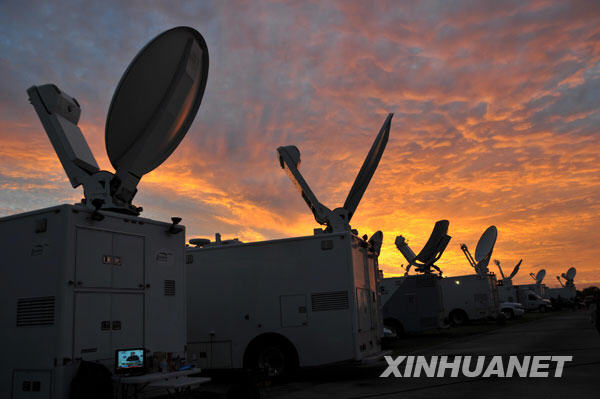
(273, 358)
(543, 308)
(394, 325)
(272, 361)
(510, 314)
(458, 317)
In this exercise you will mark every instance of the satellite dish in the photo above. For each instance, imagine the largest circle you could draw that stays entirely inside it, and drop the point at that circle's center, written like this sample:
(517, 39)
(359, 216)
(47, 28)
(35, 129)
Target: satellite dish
(483, 251)
(337, 220)
(515, 270)
(485, 246)
(540, 276)
(199, 242)
(431, 252)
(571, 273)
(154, 104)
(151, 110)
(376, 241)
(367, 169)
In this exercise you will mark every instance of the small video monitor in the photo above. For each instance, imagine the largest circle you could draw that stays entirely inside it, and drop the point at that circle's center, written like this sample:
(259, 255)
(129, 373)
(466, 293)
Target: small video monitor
(130, 361)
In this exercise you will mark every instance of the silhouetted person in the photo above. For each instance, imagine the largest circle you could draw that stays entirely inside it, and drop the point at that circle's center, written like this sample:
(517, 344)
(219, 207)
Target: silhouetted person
(92, 381)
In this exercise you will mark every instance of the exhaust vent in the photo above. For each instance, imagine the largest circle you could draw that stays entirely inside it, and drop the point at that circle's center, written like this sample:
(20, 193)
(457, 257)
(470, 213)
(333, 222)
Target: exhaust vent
(335, 300)
(35, 311)
(170, 287)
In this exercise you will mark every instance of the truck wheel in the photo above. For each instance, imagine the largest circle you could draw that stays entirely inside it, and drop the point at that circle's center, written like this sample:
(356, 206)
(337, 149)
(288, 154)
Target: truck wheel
(543, 308)
(458, 317)
(271, 360)
(395, 326)
(509, 313)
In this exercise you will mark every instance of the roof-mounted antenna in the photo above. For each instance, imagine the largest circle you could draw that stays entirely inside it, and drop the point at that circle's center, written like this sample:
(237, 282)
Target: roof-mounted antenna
(337, 220)
(515, 269)
(560, 281)
(376, 241)
(497, 262)
(483, 250)
(569, 277)
(508, 280)
(539, 277)
(151, 111)
(431, 252)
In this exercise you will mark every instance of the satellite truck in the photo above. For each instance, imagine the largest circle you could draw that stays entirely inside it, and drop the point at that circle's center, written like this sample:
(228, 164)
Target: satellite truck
(567, 289)
(506, 290)
(473, 296)
(279, 304)
(83, 281)
(533, 296)
(414, 303)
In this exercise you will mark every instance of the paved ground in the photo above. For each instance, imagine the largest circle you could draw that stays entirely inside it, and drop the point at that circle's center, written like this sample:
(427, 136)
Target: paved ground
(564, 333)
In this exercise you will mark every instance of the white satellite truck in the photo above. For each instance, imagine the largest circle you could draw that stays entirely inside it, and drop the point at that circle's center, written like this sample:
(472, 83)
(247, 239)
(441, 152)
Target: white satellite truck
(304, 301)
(473, 296)
(567, 289)
(414, 303)
(506, 290)
(533, 296)
(83, 281)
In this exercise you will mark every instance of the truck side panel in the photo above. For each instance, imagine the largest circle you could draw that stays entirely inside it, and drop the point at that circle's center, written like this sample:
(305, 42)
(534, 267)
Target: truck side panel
(301, 289)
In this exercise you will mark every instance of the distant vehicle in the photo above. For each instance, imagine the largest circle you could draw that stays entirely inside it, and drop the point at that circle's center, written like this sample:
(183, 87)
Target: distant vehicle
(532, 301)
(538, 287)
(512, 309)
(470, 297)
(414, 303)
(474, 296)
(275, 305)
(506, 289)
(567, 290)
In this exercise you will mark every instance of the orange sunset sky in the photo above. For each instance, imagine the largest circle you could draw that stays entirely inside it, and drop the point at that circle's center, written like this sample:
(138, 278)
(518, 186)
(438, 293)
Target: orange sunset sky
(496, 120)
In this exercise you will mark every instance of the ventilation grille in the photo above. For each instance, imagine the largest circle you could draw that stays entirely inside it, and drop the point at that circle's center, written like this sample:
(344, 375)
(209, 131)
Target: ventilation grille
(35, 311)
(336, 300)
(170, 287)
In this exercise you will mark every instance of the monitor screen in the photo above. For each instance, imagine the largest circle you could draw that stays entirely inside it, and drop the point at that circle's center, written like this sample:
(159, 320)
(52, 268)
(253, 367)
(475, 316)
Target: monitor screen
(129, 360)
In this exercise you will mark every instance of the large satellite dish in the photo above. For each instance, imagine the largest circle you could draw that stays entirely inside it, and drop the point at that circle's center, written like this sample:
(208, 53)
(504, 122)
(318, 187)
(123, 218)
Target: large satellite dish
(155, 103)
(516, 269)
(539, 277)
(571, 273)
(486, 244)
(483, 250)
(367, 169)
(431, 252)
(339, 218)
(152, 109)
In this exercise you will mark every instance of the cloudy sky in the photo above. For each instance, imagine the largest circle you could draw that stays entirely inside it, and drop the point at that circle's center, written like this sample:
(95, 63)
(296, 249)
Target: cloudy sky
(496, 106)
